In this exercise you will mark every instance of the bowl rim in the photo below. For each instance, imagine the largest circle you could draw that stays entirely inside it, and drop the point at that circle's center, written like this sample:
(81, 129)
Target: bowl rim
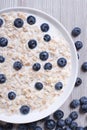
(25, 119)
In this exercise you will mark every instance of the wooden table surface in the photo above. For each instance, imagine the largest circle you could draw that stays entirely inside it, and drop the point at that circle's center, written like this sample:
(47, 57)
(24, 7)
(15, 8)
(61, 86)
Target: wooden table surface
(70, 13)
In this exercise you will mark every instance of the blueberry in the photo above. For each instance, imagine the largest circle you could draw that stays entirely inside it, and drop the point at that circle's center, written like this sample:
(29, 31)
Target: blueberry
(44, 27)
(44, 119)
(58, 86)
(73, 115)
(1, 127)
(85, 128)
(11, 95)
(36, 67)
(17, 65)
(2, 78)
(68, 121)
(73, 125)
(18, 22)
(83, 100)
(47, 38)
(32, 44)
(58, 114)
(80, 128)
(49, 124)
(8, 126)
(3, 42)
(78, 82)
(24, 109)
(44, 55)
(75, 103)
(58, 128)
(48, 66)
(60, 123)
(76, 31)
(37, 128)
(78, 45)
(67, 128)
(84, 67)
(32, 125)
(2, 59)
(84, 108)
(38, 85)
(1, 22)
(31, 20)
(61, 62)
(22, 127)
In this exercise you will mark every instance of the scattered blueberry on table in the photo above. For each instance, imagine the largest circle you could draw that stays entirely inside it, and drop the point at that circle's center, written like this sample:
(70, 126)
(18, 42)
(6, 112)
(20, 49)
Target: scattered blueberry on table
(49, 124)
(75, 103)
(8, 126)
(18, 22)
(31, 20)
(78, 45)
(78, 82)
(76, 31)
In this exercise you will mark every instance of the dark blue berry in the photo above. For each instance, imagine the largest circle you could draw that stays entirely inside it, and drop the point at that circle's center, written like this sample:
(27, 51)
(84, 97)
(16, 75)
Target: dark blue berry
(8, 126)
(58, 86)
(1, 22)
(2, 78)
(78, 45)
(3, 42)
(83, 100)
(2, 127)
(24, 109)
(60, 123)
(17, 65)
(85, 128)
(75, 103)
(58, 128)
(48, 66)
(73, 125)
(58, 114)
(44, 119)
(11, 95)
(38, 85)
(37, 128)
(80, 128)
(32, 125)
(73, 115)
(36, 67)
(31, 20)
(32, 44)
(18, 23)
(22, 127)
(44, 55)
(68, 121)
(44, 27)
(76, 31)
(61, 62)
(67, 128)
(84, 67)
(84, 108)
(2, 59)
(78, 82)
(49, 124)
(47, 38)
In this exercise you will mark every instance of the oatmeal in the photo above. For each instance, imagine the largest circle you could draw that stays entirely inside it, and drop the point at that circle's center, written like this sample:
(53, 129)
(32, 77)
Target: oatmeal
(35, 63)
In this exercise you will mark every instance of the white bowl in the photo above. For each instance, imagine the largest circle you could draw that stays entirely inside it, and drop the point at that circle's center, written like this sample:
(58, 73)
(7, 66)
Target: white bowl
(36, 115)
